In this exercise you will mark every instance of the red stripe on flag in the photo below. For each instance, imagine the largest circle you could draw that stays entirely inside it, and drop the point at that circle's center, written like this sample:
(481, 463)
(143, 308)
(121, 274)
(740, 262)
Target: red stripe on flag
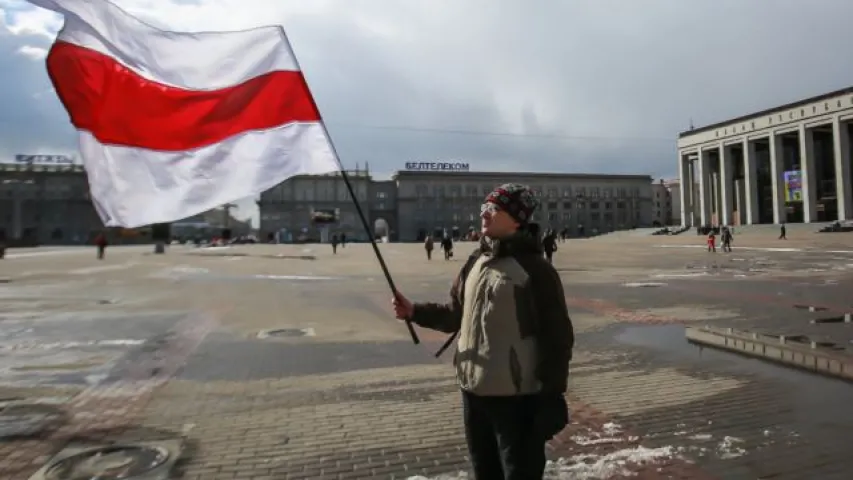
(119, 107)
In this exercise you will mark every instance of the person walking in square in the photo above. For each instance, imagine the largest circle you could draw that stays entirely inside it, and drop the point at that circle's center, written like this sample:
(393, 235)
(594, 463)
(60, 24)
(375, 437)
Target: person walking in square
(429, 246)
(712, 242)
(101, 244)
(514, 341)
(726, 239)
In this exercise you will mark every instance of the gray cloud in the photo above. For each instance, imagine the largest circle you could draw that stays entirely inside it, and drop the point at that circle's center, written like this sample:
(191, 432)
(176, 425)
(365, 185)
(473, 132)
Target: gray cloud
(598, 85)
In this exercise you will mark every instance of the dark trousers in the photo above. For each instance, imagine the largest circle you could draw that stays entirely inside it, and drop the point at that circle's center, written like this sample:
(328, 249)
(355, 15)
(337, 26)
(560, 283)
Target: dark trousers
(429, 253)
(101, 250)
(504, 442)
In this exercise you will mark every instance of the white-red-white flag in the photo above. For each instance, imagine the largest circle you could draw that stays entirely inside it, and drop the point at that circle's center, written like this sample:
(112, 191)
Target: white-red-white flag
(173, 124)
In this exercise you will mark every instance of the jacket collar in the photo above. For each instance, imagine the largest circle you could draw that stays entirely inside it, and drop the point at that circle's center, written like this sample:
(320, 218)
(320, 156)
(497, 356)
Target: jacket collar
(519, 243)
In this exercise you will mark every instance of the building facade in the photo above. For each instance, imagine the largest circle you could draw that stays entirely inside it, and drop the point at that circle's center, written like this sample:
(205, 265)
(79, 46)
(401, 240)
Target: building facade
(665, 203)
(789, 164)
(661, 204)
(287, 209)
(44, 204)
(416, 203)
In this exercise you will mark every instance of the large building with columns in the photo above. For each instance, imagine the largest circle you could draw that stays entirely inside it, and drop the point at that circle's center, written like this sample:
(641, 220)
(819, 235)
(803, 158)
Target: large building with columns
(789, 164)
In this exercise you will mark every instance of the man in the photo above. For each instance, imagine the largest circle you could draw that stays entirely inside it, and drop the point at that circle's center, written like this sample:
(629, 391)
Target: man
(428, 246)
(101, 243)
(447, 246)
(549, 244)
(726, 238)
(335, 244)
(514, 345)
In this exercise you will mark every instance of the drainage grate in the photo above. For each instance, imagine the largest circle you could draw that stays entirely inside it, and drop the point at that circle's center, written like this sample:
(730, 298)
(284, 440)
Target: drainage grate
(120, 462)
(21, 420)
(811, 308)
(286, 333)
(136, 461)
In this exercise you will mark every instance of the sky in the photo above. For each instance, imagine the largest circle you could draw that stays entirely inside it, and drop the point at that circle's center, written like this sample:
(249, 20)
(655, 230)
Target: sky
(592, 86)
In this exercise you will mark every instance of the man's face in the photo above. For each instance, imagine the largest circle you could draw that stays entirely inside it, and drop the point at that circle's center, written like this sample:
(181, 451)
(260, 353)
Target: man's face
(496, 223)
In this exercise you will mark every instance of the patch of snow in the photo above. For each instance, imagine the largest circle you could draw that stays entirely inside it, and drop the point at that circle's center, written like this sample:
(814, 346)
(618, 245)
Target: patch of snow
(728, 448)
(590, 466)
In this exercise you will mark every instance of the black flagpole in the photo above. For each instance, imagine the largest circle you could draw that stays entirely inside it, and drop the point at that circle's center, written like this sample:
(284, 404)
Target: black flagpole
(348, 184)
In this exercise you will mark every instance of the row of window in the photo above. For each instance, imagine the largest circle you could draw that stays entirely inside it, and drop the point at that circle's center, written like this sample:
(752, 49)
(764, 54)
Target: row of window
(551, 217)
(423, 190)
(424, 204)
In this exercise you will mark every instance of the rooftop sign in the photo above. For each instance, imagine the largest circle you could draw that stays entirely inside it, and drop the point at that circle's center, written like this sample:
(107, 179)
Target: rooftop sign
(437, 166)
(45, 159)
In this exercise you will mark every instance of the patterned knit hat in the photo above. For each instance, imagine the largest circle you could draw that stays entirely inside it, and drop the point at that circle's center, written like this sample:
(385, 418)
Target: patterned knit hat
(516, 200)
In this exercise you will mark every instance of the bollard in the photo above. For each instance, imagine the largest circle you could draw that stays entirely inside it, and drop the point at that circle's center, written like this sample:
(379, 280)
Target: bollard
(782, 339)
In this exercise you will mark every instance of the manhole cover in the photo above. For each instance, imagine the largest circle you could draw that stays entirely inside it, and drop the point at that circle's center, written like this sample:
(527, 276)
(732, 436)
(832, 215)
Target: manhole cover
(287, 333)
(120, 462)
(20, 420)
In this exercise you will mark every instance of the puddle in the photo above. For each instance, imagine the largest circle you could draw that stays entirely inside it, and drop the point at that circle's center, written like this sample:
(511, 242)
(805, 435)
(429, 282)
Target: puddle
(643, 284)
(290, 257)
(57, 367)
(817, 399)
(293, 277)
(846, 318)
(810, 308)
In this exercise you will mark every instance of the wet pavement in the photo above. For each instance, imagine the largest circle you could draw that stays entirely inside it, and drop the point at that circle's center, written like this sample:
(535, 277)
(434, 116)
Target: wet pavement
(146, 347)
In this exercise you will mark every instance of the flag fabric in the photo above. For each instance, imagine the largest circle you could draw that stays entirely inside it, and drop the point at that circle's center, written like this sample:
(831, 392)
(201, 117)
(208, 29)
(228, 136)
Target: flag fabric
(174, 124)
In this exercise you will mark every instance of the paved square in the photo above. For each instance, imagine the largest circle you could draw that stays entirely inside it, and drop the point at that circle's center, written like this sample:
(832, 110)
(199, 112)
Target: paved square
(146, 347)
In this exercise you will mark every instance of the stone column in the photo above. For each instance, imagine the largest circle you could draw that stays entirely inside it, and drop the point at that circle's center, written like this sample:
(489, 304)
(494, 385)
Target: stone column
(750, 168)
(683, 170)
(704, 188)
(777, 168)
(691, 188)
(841, 150)
(726, 184)
(809, 174)
(715, 198)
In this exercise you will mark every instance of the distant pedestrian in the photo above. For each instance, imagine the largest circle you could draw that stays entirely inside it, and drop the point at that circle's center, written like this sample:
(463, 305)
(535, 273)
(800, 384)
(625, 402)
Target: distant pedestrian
(335, 244)
(447, 246)
(726, 239)
(429, 245)
(549, 245)
(343, 240)
(783, 232)
(101, 244)
(712, 242)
